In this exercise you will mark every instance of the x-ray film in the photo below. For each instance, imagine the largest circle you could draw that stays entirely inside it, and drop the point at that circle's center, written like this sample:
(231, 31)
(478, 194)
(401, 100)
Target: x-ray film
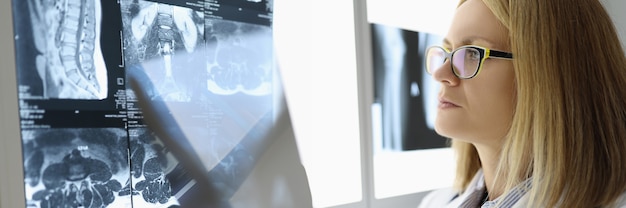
(85, 143)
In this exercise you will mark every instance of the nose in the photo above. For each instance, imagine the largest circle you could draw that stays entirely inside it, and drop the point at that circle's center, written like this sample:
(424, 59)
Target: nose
(445, 75)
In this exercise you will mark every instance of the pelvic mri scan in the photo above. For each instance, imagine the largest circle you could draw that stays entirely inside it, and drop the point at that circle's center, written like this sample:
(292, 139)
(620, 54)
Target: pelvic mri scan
(164, 39)
(186, 53)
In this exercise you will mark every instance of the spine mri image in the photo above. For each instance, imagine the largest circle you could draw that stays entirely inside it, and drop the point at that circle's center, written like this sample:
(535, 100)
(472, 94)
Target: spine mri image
(75, 167)
(67, 56)
(239, 57)
(89, 167)
(165, 39)
(173, 42)
(84, 142)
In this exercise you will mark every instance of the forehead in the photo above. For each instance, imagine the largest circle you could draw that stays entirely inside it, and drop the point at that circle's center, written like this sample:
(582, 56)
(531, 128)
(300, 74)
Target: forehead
(475, 24)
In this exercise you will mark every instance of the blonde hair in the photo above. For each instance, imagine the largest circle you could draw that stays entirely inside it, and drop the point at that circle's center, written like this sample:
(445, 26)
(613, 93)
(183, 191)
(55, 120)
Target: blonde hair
(569, 127)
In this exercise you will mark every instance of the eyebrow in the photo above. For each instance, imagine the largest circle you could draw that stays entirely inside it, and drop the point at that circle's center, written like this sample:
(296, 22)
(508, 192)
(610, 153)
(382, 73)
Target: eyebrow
(446, 42)
(469, 41)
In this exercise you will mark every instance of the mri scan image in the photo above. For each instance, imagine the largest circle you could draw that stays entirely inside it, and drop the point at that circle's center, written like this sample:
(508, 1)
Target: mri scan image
(150, 162)
(66, 54)
(84, 140)
(164, 39)
(240, 57)
(75, 167)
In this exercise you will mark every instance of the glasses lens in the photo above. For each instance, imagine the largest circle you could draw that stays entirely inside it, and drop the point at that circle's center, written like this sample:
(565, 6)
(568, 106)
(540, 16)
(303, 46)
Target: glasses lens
(465, 62)
(435, 57)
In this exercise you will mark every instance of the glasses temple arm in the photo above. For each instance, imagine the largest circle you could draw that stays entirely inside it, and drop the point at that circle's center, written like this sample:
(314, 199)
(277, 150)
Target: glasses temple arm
(500, 54)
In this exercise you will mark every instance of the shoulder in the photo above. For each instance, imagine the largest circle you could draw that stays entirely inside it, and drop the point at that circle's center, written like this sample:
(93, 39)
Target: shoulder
(438, 198)
(449, 197)
(621, 201)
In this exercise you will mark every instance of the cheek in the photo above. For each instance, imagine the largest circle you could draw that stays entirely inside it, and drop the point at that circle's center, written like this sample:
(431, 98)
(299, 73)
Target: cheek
(489, 102)
(493, 105)
(491, 109)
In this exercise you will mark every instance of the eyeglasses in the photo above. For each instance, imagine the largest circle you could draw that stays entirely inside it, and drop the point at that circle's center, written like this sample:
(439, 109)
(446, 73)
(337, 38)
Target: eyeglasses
(466, 60)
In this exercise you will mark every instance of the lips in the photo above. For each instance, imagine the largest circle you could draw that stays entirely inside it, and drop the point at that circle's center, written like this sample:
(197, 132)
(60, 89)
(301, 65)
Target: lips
(445, 103)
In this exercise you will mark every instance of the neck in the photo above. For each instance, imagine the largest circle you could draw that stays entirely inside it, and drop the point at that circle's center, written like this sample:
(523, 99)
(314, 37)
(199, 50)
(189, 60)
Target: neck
(489, 161)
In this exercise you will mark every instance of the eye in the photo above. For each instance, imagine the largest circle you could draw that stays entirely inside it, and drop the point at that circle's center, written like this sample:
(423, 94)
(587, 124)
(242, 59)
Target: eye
(472, 54)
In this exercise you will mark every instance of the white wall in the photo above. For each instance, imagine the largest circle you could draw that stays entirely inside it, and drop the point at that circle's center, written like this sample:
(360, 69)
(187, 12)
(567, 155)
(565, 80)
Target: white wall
(617, 10)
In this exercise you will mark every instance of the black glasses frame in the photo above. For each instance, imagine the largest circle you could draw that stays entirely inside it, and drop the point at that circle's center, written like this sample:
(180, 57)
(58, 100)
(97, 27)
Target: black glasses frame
(484, 53)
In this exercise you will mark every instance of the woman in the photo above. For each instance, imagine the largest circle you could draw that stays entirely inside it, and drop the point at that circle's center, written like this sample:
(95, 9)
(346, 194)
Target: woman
(533, 96)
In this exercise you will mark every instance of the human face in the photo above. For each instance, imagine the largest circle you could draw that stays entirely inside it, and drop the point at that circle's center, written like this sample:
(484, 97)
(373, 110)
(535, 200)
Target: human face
(477, 110)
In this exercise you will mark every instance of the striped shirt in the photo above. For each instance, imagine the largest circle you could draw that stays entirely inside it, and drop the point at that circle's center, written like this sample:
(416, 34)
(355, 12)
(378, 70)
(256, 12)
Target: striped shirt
(478, 195)
(475, 193)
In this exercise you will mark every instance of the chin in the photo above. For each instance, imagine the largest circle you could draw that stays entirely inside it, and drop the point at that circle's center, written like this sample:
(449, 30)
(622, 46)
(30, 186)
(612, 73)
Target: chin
(443, 131)
(452, 132)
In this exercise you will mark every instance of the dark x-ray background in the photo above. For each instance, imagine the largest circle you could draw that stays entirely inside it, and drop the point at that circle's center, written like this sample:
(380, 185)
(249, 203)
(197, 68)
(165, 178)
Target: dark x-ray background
(405, 96)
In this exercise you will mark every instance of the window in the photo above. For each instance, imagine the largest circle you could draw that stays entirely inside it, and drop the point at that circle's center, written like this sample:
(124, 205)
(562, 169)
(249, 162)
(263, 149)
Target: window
(323, 71)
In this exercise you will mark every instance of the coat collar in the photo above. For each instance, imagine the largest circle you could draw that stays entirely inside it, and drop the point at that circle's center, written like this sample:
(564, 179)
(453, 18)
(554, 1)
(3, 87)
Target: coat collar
(472, 195)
